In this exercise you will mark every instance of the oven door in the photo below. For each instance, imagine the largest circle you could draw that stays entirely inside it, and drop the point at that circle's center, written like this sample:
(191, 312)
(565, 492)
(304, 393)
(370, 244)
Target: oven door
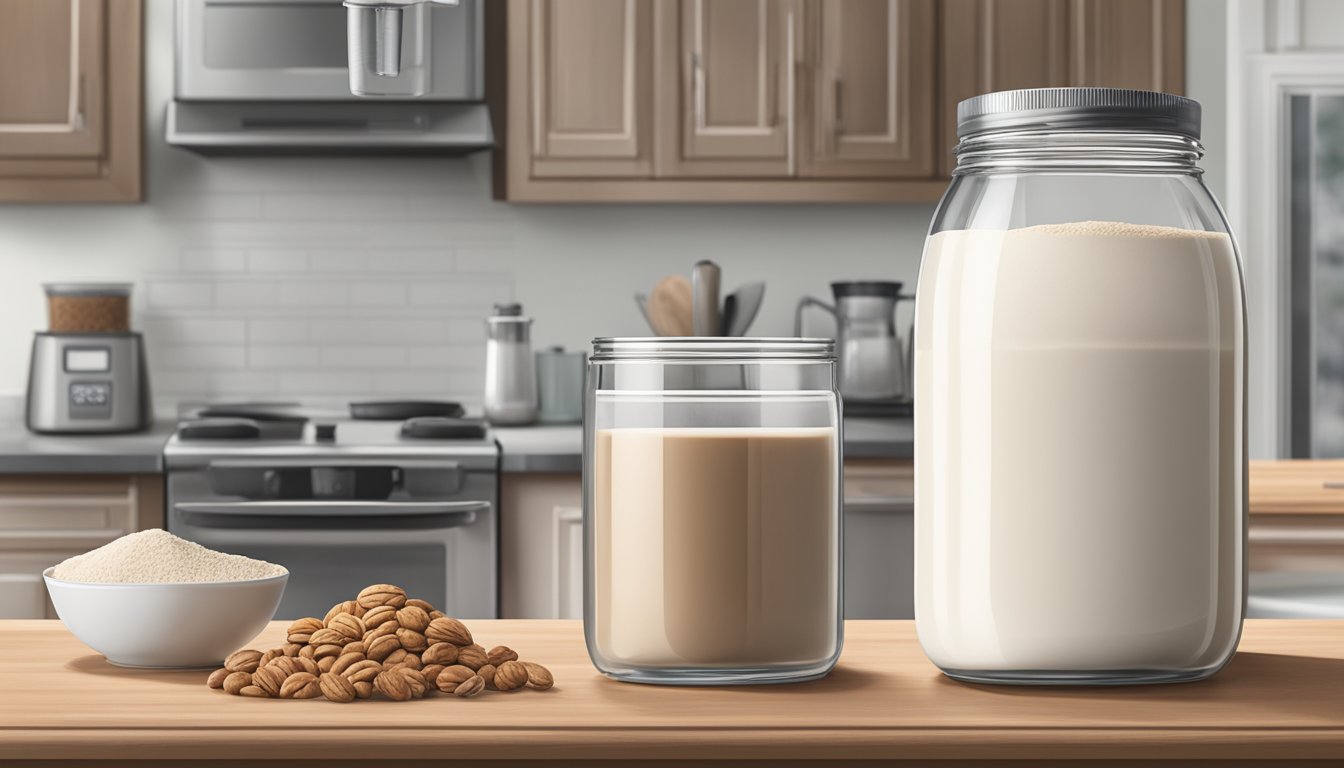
(437, 551)
(295, 50)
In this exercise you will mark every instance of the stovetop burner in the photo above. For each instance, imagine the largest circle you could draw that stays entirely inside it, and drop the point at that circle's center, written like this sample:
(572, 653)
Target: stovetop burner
(384, 422)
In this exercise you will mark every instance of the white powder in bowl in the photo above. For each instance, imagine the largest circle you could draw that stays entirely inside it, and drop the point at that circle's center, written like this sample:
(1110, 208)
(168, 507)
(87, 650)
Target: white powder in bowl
(158, 557)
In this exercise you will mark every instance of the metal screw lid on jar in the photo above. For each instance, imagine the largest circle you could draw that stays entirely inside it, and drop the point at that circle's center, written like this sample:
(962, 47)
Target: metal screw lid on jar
(710, 348)
(1078, 109)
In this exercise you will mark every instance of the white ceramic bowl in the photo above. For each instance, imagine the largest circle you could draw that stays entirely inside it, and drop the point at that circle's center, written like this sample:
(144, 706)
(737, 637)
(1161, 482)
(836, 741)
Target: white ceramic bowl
(166, 625)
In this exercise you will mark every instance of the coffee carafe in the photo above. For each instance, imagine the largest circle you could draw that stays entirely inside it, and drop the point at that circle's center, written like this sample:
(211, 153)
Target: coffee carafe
(872, 363)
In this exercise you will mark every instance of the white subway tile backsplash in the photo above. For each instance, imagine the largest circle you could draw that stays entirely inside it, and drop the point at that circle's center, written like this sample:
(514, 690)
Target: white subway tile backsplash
(446, 356)
(213, 260)
(437, 260)
(483, 259)
(364, 356)
(369, 330)
(179, 294)
(464, 293)
(246, 294)
(177, 382)
(309, 294)
(334, 206)
(418, 383)
(346, 383)
(277, 260)
(196, 330)
(283, 356)
(200, 357)
(378, 294)
(276, 331)
(235, 383)
(328, 261)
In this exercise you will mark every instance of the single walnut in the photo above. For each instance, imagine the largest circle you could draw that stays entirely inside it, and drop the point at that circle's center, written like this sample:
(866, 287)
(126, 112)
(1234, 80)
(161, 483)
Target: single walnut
(379, 616)
(472, 656)
(246, 660)
(500, 654)
(470, 687)
(452, 676)
(300, 685)
(538, 676)
(306, 652)
(413, 618)
(363, 671)
(271, 655)
(301, 630)
(448, 630)
(307, 665)
(325, 664)
(415, 680)
(254, 691)
(382, 594)
(235, 682)
(287, 664)
(216, 678)
(440, 653)
(350, 626)
(383, 647)
(269, 679)
(487, 673)
(412, 640)
(363, 690)
(431, 673)
(421, 604)
(382, 630)
(356, 647)
(436, 615)
(344, 661)
(326, 636)
(349, 606)
(511, 675)
(392, 684)
(336, 688)
(292, 649)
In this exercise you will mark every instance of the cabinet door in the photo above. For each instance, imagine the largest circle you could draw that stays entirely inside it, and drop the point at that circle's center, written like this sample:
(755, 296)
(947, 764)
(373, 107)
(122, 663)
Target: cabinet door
(871, 106)
(727, 97)
(541, 546)
(879, 556)
(590, 87)
(1129, 44)
(70, 109)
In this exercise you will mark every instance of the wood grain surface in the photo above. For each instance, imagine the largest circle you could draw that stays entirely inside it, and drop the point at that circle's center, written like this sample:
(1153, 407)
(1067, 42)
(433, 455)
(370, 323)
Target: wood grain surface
(1281, 698)
(1297, 487)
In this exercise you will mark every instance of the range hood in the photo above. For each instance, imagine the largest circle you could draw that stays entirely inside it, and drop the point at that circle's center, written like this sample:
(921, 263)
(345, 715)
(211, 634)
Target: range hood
(272, 79)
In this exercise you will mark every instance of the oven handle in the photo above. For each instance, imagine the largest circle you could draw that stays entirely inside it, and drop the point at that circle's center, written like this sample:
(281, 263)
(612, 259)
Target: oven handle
(312, 462)
(454, 513)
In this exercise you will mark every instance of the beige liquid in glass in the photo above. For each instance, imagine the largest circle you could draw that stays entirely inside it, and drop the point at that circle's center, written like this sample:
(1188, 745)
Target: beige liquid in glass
(715, 547)
(1079, 472)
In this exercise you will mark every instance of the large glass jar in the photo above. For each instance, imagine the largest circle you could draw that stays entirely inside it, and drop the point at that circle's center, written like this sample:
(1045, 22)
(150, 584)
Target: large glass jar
(1080, 504)
(712, 510)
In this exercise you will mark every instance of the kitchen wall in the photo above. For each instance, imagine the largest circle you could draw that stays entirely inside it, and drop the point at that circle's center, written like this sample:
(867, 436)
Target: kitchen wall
(339, 278)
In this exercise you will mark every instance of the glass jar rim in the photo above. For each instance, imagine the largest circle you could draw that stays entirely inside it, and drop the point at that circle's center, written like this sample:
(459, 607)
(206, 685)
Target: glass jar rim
(704, 348)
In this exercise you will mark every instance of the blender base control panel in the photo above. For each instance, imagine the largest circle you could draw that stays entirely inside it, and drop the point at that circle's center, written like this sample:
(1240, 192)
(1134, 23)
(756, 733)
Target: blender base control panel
(90, 399)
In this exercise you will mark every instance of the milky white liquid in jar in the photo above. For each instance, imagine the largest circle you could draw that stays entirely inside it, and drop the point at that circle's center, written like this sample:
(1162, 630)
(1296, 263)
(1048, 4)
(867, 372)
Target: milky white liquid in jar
(1079, 475)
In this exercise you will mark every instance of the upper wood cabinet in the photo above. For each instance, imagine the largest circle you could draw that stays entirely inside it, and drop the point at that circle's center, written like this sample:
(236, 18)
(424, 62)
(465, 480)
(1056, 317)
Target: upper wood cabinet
(70, 100)
(785, 100)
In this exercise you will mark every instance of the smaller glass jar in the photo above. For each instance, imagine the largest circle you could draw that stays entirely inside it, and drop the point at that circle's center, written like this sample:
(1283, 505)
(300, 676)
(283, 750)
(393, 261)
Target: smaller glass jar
(712, 510)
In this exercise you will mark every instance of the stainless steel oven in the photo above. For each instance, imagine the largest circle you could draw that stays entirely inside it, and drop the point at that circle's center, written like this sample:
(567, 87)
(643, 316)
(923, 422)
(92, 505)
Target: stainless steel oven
(363, 506)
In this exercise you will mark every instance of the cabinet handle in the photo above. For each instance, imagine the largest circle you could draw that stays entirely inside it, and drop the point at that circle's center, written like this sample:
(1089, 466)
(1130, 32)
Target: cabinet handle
(80, 93)
(791, 94)
(698, 90)
(838, 115)
(880, 503)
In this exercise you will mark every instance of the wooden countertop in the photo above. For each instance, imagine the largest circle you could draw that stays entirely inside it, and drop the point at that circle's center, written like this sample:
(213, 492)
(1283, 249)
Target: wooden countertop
(1282, 697)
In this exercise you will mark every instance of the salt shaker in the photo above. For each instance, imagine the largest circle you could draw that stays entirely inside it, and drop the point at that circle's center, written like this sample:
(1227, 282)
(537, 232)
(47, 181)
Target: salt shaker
(510, 372)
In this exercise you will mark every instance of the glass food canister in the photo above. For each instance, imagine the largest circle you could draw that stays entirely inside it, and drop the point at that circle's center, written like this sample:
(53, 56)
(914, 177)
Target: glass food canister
(712, 510)
(1080, 492)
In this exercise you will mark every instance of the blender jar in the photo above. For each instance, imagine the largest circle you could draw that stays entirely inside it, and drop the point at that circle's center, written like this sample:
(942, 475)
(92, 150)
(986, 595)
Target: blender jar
(712, 510)
(1080, 353)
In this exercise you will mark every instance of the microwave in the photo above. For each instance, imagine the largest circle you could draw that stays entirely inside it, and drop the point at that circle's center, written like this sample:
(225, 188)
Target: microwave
(271, 76)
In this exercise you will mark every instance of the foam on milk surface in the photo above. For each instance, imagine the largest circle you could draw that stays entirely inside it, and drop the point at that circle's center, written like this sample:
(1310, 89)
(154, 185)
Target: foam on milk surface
(1078, 489)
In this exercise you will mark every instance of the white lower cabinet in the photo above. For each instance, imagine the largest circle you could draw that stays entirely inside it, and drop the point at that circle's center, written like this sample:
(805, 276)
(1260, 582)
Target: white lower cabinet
(46, 518)
(879, 554)
(541, 546)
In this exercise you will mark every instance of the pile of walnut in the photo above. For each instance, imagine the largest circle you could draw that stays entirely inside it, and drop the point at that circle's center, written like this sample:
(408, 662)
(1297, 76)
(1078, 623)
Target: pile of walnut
(383, 642)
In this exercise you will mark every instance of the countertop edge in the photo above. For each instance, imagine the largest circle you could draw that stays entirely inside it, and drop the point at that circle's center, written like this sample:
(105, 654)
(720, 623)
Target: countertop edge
(640, 743)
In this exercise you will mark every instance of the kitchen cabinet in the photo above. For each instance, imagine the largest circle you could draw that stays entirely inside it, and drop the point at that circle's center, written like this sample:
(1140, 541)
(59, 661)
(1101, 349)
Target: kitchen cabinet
(46, 518)
(785, 100)
(541, 545)
(879, 555)
(995, 46)
(70, 101)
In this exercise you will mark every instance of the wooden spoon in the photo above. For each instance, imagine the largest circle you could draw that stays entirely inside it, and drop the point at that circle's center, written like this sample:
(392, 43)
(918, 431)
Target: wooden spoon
(669, 306)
